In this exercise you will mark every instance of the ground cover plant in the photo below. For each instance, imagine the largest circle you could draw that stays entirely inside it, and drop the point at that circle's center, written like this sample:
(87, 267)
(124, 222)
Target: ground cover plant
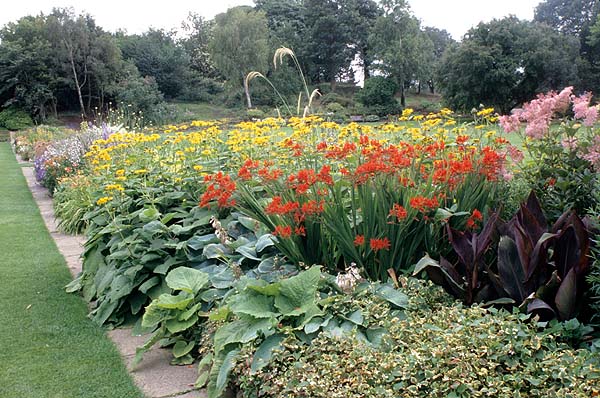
(50, 348)
(194, 229)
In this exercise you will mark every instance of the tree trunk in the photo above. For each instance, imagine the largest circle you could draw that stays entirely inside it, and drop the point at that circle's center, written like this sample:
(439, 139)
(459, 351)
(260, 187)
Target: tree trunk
(402, 96)
(431, 87)
(71, 58)
(247, 92)
(419, 88)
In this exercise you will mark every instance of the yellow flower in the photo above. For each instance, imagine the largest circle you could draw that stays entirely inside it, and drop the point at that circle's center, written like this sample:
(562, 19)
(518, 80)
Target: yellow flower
(140, 171)
(114, 187)
(104, 200)
(198, 167)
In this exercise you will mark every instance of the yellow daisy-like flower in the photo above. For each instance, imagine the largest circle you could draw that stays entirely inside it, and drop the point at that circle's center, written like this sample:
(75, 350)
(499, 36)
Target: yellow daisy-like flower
(114, 187)
(140, 171)
(104, 200)
(198, 167)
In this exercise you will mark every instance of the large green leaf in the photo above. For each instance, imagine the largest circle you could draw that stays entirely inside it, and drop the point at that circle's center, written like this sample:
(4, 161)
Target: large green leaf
(182, 348)
(253, 304)
(178, 302)
(298, 290)
(264, 352)
(225, 368)
(187, 279)
(240, 331)
(396, 297)
(177, 326)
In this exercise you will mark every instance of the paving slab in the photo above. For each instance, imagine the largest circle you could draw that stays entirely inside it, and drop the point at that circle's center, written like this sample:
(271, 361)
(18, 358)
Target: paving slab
(155, 377)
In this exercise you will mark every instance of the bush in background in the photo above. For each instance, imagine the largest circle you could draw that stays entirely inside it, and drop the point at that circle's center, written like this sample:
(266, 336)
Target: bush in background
(377, 96)
(15, 119)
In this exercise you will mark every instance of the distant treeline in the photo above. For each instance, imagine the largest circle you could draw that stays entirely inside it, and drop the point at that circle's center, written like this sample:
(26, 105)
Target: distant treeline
(66, 62)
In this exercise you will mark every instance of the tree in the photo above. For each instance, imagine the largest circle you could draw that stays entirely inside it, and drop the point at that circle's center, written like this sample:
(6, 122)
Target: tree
(505, 62)
(440, 40)
(360, 16)
(199, 33)
(29, 74)
(155, 53)
(240, 44)
(576, 18)
(326, 45)
(398, 44)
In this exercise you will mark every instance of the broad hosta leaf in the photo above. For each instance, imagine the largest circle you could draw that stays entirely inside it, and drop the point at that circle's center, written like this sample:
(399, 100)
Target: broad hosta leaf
(511, 271)
(178, 302)
(154, 315)
(240, 331)
(198, 242)
(225, 369)
(149, 214)
(177, 326)
(248, 251)
(214, 251)
(263, 242)
(253, 304)
(182, 348)
(396, 297)
(204, 370)
(264, 288)
(187, 279)
(301, 289)
(150, 283)
(263, 354)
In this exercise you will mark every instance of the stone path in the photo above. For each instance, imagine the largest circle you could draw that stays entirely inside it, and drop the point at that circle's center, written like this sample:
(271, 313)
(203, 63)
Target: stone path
(154, 375)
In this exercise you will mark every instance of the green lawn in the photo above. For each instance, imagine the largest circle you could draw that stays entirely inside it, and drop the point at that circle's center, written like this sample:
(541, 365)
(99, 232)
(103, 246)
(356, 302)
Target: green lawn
(48, 347)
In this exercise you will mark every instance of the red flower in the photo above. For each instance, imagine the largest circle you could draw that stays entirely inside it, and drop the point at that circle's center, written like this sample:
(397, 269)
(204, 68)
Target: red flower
(359, 240)
(324, 175)
(300, 231)
(277, 207)
(398, 211)
(476, 216)
(379, 244)
(283, 231)
(423, 204)
(220, 187)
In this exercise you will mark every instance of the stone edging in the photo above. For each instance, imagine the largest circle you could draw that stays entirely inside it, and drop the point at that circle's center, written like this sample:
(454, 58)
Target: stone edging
(154, 376)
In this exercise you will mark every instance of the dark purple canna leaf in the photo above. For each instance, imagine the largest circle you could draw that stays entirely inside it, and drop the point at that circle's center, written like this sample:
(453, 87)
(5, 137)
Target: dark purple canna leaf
(531, 217)
(539, 257)
(566, 297)
(566, 251)
(442, 274)
(484, 238)
(462, 243)
(511, 270)
(541, 308)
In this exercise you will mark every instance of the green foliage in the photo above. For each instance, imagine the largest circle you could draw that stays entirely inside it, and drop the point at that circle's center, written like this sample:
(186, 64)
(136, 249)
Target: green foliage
(156, 54)
(255, 114)
(492, 353)
(378, 96)
(239, 45)
(525, 58)
(260, 316)
(15, 119)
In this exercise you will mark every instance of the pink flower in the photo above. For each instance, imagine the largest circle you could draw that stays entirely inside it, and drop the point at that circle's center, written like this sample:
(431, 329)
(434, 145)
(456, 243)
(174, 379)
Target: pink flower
(563, 100)
(569, 143)
(581, 105)
(515, 153)
(510, 123)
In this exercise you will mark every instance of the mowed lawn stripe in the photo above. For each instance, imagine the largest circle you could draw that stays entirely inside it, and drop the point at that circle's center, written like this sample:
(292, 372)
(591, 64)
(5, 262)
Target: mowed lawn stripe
(48, 346)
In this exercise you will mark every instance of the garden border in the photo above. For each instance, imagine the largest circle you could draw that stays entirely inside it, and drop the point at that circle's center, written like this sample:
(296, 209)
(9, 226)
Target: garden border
(154, 376)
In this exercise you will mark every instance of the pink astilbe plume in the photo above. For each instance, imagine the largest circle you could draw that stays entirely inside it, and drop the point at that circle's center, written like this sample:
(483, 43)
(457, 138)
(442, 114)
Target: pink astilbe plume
(593, 153)
(583, 110)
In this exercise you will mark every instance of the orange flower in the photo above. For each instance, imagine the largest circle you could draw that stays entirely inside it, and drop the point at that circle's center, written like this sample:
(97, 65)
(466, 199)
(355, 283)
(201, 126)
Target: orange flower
(359, 240)
(398, 211)
(283, 231)
(379, 244)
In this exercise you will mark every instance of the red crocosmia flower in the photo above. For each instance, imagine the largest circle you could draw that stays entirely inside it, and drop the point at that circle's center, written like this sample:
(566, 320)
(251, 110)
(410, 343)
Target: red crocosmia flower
(359, 240)
(277, 207)
(324, 175)
(321, 146)
(283, 231)
(220, 187)
(476, 217)
(300, 231)
(462, 139)
(398, 212)
(423, 204)
(380, 244)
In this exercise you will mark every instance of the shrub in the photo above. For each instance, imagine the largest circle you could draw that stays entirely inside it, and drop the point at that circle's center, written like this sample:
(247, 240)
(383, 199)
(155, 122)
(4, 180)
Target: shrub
(565, 158)
(15, 119)
(377, 96)
(255, 113)
(372, 118)
(337, 112)
(334, 97)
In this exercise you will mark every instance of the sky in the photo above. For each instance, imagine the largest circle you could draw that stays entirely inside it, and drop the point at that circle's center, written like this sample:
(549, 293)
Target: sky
(456, 16)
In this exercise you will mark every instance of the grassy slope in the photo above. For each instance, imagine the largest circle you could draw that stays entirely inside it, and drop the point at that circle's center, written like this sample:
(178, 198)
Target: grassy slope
(48, 347)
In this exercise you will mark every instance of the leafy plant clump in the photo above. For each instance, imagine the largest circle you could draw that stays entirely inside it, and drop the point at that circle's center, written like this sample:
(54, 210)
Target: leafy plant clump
(377, 96)
(493, 353)
(15, 119)
(539, 269)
